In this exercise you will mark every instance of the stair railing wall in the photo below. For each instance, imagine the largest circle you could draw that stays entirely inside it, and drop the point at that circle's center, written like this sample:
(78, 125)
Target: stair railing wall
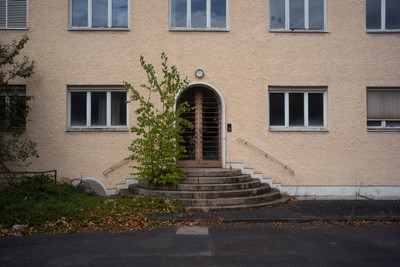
(265, 154)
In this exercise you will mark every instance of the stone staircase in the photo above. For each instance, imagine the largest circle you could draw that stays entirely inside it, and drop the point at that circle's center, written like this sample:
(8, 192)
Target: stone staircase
(213, 189)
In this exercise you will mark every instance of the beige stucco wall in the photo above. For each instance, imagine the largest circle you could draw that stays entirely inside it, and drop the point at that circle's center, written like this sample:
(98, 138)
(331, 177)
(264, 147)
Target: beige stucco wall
(241, 64)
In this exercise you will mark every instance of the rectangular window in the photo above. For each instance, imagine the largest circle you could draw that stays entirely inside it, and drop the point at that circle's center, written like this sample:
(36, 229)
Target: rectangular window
(13, 108)
(99, 14)
(297, 109)
(13, 14)
(297, 15)
(97, 108)
(383, 108)
(198, 14)
(383, 15)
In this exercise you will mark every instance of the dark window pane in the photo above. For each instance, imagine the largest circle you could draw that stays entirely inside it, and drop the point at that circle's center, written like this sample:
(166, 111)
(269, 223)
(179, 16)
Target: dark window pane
(199, 18)
(118, 108)
(296, 109)
(296, 14)
(120, 13)
(316, 109)
(99, 109)
(392, 123)
(277, 109)
(178, 13)
(100, 13)
(316, 14)
(78, 108)
(277, 14)
(374, 123)
(79, 13)
(392, 14)
(218, 13)
(373, 14)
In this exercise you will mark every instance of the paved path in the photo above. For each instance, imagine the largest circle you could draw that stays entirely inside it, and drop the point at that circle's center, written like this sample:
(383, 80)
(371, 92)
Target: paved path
(224, 245)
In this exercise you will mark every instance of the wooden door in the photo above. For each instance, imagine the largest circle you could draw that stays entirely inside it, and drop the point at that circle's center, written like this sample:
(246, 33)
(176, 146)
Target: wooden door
(203, 142)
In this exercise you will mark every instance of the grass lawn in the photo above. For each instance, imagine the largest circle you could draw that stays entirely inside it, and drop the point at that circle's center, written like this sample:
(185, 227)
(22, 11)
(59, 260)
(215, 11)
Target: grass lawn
(41, 205)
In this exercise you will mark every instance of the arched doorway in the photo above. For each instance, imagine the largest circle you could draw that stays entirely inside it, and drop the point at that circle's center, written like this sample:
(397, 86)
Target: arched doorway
(203, 142)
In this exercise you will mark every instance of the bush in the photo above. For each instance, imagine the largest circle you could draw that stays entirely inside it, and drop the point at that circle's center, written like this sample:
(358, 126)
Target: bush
(41, 204)
(158, 140)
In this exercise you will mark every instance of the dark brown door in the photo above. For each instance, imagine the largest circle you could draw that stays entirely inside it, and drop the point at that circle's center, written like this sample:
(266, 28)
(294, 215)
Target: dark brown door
(203, 142)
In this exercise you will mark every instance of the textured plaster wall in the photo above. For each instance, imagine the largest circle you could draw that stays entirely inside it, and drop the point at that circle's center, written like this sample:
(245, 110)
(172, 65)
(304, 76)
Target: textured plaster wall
(242, 64)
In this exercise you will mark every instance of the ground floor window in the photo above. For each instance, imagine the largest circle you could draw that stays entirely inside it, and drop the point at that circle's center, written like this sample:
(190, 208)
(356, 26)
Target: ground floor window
(297, 108)
(383, 108)
(13, 108)
(97, 108)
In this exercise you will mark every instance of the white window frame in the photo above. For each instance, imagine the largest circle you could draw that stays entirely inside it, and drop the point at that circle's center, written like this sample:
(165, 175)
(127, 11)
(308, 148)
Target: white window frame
(89, 127)
(90, 14)
(189, 18)
(383, 21)
(6, 13)
(306, 19)
(383, 122)
(305, 92)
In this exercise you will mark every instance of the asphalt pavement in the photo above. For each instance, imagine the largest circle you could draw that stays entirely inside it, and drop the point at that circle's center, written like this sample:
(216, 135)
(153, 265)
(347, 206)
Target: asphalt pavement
(240, 238)
(298, 211)
(215, 245)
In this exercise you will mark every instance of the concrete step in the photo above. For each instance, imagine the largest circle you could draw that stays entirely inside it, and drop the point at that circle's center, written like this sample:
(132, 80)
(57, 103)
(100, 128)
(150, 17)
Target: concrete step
(272, 203)
(211, 172)
(232, 201)
(212, 188)
(203, 194)
(201, 187)
(216, 180)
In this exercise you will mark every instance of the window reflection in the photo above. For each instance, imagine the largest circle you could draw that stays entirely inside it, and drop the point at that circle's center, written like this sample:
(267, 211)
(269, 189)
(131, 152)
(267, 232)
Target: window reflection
(178, 13)
(392, 14)
(202, 14)
(79, 13)
(316, 14)
(120, 13)
(100, 13)
(277, 14)
(373, 14)
(218, 14)
(199, 16)
(296, 13)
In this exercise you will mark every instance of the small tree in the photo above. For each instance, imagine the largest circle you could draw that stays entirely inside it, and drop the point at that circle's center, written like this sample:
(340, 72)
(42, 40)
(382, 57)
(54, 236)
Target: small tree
(13, 106)
(159, 125)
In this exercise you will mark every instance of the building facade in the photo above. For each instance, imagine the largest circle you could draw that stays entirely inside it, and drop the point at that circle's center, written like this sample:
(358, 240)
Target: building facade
(304, 92)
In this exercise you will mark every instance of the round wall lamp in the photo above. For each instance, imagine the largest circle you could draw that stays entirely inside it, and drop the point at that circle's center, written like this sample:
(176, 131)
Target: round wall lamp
(199, 73)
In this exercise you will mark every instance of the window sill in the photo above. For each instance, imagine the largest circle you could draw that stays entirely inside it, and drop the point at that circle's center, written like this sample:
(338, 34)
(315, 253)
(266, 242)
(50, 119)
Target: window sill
(198, 29)
(14, 29)
(383, 31)
(86, 129)
(387, 129)
(98, 29)
(297, 31)
(297, 129)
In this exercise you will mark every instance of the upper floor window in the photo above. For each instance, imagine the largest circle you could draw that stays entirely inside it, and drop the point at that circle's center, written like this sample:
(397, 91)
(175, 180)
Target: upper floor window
(13, 14)
(99, 14)
(198, 14)
(97, 108)
(297, 109)
(383, 106)
(297, 15)
(383, 15)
